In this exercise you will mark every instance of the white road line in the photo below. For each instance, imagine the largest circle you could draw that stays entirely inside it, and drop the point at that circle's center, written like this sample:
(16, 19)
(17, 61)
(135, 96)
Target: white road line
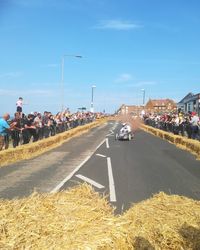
(111, 181)
(94, 183)
(107, 143)
(101, 155)
(111, 133)
(58, 187)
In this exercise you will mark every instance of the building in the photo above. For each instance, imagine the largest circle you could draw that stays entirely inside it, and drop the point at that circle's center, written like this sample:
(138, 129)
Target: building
(190, 103)
(129, 110)
(160, 105)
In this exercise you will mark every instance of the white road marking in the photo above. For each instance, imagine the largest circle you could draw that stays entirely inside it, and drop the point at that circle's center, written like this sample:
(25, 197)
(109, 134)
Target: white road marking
(111, 181)
(58, 187)
(101, 155)
(107, 143)
(115, 125)
(94, 183)
(111, 133)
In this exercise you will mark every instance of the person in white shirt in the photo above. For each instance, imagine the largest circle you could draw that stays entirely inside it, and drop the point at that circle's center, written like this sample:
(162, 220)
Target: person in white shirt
(19, 105)
(194, 125)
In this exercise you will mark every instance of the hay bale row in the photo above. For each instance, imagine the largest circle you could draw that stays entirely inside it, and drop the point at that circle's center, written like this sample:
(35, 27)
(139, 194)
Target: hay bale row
(184, 143)
(80, 219)
(76, 219)
(34, 149)
(165, 222)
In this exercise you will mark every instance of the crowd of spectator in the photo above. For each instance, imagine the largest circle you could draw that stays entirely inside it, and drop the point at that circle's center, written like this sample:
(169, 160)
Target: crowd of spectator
(178, 123)
(35, 126)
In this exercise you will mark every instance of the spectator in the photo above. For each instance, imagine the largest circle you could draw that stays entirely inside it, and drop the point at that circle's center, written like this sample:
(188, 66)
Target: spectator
(38, 125)
(46, 124)
(184, 124)
(35, 125)
(194, 125)
(30, 128)
(4, 129)
(16, 129)
(19, 104)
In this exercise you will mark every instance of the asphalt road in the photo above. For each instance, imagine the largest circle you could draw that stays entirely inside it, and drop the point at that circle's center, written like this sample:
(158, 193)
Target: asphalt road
(126, 171)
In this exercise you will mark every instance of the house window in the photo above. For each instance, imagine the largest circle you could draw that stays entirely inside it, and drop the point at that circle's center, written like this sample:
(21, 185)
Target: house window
(189, 107)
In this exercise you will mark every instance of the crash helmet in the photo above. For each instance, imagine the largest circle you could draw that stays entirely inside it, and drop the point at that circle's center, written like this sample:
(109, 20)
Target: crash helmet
(123, 124)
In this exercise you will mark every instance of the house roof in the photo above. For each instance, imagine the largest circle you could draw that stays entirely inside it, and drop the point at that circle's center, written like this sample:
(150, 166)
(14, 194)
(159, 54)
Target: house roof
(189, 95)
(161, 102)
(131, 108)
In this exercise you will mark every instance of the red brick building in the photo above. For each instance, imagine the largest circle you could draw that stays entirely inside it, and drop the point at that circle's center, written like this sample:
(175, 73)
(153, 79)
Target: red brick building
(129, 110)
(160, 105)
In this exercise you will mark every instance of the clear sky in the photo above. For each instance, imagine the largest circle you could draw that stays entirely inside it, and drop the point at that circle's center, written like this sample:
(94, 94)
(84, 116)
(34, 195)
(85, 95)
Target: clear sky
(126, 46)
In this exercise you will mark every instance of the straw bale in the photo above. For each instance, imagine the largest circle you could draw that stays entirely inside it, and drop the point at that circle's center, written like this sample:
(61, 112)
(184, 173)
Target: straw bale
(165, 222)
(74, 219)
(80, 219)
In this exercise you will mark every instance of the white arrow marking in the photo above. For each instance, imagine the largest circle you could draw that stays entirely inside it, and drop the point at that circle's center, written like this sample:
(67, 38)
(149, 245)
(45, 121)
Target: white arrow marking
(94, 183)
(107, 143)
(101, 155)
(111, 181)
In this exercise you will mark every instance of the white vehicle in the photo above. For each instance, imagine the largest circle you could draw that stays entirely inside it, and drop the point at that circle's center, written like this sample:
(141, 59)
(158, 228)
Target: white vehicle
(125, 133)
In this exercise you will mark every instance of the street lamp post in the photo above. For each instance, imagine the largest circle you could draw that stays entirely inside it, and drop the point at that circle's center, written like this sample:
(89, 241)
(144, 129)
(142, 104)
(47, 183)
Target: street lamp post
(62, 78)
(143, 99)
(143, 102)
(92, 100)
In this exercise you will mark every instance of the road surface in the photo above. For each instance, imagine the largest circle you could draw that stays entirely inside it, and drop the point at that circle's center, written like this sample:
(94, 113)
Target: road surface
(126, 171)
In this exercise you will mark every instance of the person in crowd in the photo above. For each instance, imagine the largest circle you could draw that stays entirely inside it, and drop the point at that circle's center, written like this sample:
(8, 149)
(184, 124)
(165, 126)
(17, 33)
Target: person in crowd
(52, 124)
(16, 129)
(4, 131)
(22, 128)
(19, 105)
(181, 123)
(46, 124)
(29, 129)
(194, 125)
(178, 123)
(38, 125)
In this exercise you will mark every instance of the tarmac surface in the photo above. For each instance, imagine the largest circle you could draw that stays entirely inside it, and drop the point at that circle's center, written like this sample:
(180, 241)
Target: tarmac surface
(125, 171)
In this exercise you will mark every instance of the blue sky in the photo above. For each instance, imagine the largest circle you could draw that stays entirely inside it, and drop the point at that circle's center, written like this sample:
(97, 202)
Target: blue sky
(126, 46)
